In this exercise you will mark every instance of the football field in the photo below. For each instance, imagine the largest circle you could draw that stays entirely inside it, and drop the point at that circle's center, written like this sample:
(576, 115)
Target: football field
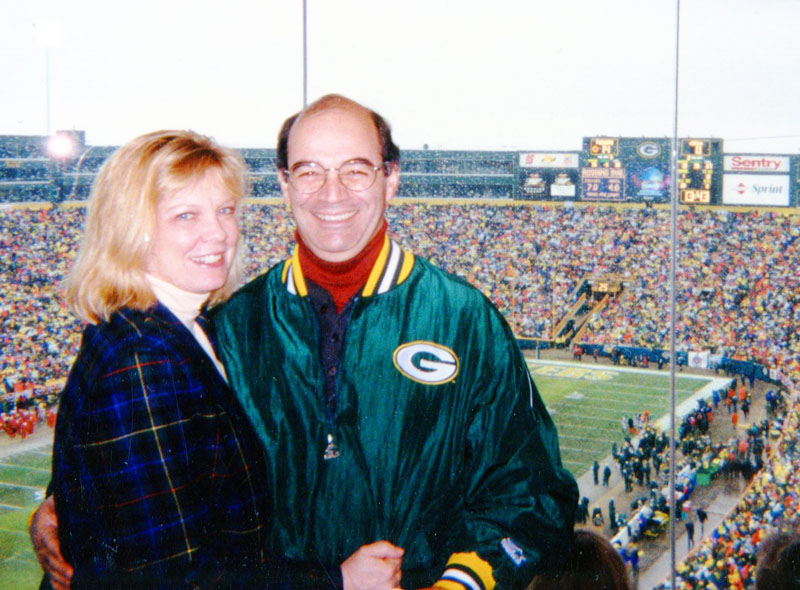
(587, 402)
(23, 479)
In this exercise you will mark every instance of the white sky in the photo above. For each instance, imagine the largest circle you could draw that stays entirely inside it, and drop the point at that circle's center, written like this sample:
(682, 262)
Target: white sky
(462, 75)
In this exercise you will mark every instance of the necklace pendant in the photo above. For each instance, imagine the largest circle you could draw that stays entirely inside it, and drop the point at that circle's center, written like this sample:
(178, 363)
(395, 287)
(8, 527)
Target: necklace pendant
(331, 451)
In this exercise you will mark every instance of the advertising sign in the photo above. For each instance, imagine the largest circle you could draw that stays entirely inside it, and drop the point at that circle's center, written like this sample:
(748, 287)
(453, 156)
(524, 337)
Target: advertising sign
(649, 183)
(747, 163)
(548, 160)
(756, 189)
(549, 175)
(647, 163)
(547, 183)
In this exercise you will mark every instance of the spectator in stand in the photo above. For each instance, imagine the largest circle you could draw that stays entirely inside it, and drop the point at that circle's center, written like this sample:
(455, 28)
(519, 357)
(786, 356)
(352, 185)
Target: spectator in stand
(779, 562)
(592, 564)
(526, 259)
(689, 534)
(702, 516)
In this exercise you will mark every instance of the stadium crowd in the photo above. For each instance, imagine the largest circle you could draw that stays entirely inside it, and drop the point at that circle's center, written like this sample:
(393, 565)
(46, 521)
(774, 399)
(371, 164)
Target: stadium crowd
(738, 295)
(38, 336)
(726, 558)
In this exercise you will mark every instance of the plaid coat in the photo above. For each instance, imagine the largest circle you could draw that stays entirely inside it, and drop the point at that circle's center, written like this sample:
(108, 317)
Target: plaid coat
(156, 473)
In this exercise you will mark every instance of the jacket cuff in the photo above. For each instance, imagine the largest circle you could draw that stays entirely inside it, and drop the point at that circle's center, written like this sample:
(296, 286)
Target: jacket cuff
(466, 571)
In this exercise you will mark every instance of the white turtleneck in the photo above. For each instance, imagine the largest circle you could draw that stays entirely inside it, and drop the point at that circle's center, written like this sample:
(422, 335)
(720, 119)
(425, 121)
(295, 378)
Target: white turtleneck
(185, 306)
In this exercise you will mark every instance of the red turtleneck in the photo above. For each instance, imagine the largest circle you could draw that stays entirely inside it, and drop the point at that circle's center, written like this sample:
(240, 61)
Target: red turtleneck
(341, 279)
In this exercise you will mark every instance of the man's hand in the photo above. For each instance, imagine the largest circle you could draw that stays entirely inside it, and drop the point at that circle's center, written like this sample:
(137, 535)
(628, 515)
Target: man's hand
(43, 530)
(373, 567)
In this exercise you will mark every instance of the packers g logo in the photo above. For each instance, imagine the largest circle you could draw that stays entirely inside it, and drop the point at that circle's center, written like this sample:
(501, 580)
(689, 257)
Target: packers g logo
(648, 149)
(426, 362)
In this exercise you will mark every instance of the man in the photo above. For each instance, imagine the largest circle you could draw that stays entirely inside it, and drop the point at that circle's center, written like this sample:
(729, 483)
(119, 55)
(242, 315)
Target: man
(391, 398)
(702, 516)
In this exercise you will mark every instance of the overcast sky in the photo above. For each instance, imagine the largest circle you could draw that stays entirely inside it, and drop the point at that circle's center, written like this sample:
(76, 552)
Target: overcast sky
(461, 75)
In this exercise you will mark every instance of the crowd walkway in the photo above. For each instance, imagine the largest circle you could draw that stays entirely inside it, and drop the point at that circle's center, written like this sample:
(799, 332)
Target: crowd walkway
(42, 437)
(718, 500)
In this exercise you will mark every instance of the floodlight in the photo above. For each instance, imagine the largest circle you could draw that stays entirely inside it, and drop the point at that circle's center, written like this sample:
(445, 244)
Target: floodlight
(61, 146)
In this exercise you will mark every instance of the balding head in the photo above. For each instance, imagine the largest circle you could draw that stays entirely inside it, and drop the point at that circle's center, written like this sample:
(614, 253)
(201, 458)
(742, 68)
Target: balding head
(390, 153)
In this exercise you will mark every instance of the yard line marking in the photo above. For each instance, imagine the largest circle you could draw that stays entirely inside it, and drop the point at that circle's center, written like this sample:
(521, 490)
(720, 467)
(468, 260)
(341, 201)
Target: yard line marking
(585, 417)
(590, 438)
(20, 533)
(578, 463)
(576, 449)
(19, 485)
(12, 507)
(25, 467)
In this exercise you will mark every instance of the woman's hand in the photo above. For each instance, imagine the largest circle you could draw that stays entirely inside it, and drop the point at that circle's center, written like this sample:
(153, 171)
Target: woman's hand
(43, 529)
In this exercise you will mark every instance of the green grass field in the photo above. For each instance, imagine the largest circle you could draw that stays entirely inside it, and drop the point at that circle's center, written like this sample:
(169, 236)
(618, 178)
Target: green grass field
(23, 478)
(587, 402)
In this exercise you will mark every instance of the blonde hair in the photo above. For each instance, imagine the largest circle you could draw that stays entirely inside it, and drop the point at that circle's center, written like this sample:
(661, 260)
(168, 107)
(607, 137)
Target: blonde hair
(109, 271)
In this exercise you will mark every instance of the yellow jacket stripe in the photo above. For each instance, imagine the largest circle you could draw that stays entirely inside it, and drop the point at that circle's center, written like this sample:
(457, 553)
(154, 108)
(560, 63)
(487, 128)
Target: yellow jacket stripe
(466, 570)
(392, 267)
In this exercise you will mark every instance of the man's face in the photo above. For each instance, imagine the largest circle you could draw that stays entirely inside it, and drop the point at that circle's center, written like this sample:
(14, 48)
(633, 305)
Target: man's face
(334, 221)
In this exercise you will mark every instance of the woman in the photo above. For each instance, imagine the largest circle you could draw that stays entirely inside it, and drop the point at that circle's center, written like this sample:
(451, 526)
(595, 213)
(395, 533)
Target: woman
(154, 466)
(157, 476)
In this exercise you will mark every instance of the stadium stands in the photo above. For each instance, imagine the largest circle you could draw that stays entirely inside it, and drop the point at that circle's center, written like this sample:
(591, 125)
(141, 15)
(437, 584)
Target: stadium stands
(527, 259)
(738, 290)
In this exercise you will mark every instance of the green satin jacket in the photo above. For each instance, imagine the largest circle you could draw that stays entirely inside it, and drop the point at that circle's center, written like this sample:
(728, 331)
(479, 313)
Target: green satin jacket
(440, 442)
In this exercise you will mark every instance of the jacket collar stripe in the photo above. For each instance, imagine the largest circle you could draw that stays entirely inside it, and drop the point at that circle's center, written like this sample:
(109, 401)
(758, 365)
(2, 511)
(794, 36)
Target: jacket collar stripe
(408, 264)
(297, 274)
(390, 274)
(377, 270)
(392, 267)
(287, 264)
(286, 277)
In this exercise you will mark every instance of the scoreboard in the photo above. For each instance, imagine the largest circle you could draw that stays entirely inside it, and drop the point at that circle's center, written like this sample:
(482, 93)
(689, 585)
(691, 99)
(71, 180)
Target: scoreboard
(604, 148)
(629, 169)
(699, 170)
(625, 169)
(603, 184)
(602, 173)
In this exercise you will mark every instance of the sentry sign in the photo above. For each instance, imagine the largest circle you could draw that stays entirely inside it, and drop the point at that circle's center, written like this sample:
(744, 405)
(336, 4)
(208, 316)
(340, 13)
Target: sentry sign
(743, 163)
(755, 189)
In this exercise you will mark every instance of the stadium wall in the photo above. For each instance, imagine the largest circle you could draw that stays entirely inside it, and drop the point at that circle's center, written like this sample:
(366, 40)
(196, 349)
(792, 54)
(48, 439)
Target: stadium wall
(606, 169)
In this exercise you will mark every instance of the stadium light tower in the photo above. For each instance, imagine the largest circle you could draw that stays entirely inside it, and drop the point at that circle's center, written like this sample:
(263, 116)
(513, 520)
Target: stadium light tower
(305, 53)
(48, 36)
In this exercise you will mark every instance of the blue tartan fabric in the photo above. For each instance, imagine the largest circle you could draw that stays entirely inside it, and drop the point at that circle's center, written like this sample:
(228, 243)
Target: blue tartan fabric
(156, 473)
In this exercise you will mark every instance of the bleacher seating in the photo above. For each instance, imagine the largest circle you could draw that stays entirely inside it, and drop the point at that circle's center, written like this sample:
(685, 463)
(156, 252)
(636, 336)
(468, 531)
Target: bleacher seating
(527, 259)
(738, 290)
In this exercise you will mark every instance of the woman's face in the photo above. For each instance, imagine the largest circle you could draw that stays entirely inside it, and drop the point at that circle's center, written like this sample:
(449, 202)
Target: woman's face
(196, 235)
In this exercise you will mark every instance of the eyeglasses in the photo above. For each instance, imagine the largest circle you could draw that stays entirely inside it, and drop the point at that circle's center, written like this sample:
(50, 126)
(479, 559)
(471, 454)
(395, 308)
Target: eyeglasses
(309, 177)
